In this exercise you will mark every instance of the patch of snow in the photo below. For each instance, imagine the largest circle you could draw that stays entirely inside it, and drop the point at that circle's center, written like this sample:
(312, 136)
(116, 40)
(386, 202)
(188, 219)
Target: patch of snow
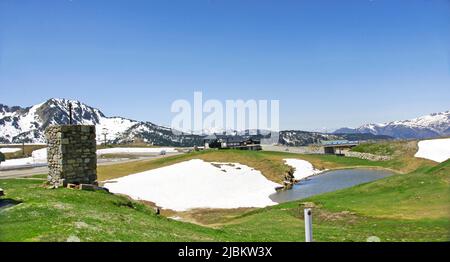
(40, 154)
(38, 157)
(436, 149)
(135, 150)
(198, 184)
(9, 149)
(18, 162)
(303, 169)
(114, 127)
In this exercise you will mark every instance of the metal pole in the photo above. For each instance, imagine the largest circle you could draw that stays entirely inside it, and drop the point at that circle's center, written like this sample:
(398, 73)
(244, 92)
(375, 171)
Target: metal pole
(308, 225)
(104, 133)
(70, 113)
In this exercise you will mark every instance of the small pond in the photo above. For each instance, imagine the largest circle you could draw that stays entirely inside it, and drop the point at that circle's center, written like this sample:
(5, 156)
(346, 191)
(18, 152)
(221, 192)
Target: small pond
(329, 181)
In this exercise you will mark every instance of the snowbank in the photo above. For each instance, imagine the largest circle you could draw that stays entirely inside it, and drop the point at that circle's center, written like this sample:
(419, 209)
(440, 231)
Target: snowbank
(135, 150)
(198, 184)
(9, 149)
(303, 169)
(436, 149)
(38, 157)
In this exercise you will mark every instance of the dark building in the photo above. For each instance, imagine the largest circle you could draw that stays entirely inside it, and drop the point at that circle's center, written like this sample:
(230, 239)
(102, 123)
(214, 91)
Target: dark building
(337, 147)
(232, 142)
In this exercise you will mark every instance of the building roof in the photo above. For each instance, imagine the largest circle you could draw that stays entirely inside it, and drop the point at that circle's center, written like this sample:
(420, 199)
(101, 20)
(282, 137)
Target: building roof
(229, 138)
(339, 143)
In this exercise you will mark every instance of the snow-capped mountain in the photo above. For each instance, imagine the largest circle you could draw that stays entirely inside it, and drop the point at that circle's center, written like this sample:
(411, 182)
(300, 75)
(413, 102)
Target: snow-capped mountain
(19, 124)
(428, 126)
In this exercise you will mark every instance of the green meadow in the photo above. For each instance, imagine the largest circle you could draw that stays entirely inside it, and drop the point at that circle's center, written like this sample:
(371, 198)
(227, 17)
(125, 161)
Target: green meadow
(412, 205)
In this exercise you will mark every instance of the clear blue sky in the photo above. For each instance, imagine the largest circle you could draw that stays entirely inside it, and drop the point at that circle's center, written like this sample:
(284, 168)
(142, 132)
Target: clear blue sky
(330, 63)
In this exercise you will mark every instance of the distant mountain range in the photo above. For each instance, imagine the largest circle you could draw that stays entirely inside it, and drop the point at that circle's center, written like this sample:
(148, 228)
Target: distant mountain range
(18, 124)
(428, 126)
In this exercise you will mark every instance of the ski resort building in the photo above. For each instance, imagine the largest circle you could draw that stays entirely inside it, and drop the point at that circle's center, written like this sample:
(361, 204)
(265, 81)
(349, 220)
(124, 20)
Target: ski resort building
(232, 142)
(338, 147)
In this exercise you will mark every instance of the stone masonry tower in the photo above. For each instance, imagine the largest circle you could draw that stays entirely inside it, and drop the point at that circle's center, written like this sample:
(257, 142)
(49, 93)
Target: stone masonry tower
(71, 154)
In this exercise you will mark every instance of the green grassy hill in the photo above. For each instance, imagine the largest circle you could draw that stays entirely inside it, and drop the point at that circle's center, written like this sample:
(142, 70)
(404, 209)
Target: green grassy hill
(404, 207)
(401, 152)
(62, 214)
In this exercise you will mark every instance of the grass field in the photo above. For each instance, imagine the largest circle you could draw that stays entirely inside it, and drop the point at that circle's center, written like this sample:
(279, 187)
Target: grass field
(406, 207)
(402, 153)
(409, 206)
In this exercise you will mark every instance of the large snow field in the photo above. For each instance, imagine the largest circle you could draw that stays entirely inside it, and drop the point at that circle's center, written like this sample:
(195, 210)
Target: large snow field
(303, 169)
(435, 149)
(9, 149)
(198, 184)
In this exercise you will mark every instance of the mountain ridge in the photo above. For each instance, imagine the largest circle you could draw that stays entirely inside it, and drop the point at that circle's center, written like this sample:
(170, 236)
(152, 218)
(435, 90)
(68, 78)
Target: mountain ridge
(27, 124)
(426, 126)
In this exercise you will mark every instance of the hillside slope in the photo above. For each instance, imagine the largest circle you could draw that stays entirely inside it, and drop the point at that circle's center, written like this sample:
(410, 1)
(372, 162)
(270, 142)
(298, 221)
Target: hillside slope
(407, 207)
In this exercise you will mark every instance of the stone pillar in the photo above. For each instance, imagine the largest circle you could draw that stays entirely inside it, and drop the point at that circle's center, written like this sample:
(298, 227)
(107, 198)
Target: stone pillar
(71, 154)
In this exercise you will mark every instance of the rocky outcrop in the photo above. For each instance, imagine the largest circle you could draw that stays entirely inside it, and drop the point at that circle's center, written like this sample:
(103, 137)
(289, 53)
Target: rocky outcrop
(367, 156)
(289, 180)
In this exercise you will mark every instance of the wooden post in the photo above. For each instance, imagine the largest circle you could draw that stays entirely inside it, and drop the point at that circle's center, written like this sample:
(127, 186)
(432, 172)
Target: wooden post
(308, 225)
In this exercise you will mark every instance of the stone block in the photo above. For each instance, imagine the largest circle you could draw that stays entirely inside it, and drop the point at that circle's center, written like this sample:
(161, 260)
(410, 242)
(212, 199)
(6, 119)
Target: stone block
(88, 187)
(71, 154)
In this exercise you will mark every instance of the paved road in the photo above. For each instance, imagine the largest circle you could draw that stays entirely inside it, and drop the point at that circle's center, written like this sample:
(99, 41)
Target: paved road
(24, 172)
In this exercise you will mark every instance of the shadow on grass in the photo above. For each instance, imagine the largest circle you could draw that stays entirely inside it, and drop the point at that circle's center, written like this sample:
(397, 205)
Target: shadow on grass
(7, 202)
